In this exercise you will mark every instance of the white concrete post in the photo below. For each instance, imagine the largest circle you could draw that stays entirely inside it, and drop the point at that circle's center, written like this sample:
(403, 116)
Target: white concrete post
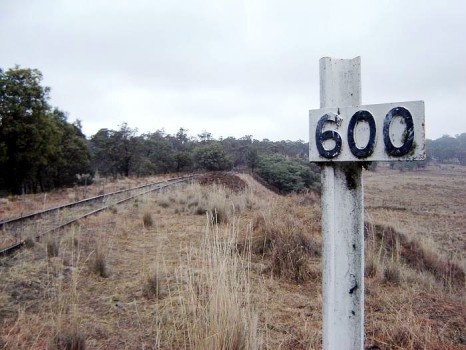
(342, 220)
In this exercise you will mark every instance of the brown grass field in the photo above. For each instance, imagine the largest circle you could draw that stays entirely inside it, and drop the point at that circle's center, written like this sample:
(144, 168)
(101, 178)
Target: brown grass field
(217, 266)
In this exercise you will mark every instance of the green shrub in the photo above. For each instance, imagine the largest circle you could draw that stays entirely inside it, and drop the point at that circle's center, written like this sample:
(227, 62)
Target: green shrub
(287, 175)
(212, 157)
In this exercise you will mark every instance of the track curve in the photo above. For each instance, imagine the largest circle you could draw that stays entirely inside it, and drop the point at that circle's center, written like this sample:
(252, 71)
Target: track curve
(38, 224)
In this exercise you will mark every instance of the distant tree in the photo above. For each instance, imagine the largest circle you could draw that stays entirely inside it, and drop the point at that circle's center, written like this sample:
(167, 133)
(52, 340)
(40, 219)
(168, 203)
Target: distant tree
(183, 160)
(212, 157)
(205, 137)
(115, 152)
(181, 140)
(161, 152)
(252, 157)
(72, 157)
(126, 144)
(447, 149)
(105, 153)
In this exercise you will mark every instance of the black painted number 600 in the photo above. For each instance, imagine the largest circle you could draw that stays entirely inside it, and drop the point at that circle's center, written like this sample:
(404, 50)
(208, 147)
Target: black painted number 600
(365, 116)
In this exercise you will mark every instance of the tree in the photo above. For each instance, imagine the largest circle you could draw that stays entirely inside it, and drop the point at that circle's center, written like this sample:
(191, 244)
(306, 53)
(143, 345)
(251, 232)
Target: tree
(104, 153)
(183, 161)
(126, 145)
(161, 152)
(73, 157)
(116, 152)
(252, 157)
(212, 157)
(37, 145)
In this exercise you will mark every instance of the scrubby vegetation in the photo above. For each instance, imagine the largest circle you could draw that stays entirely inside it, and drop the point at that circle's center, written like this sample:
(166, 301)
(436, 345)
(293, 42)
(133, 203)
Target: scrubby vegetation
(250, 279)
(287, 175)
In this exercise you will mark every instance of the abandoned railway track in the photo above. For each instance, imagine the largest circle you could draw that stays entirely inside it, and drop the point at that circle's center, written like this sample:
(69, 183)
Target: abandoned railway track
(16, 232)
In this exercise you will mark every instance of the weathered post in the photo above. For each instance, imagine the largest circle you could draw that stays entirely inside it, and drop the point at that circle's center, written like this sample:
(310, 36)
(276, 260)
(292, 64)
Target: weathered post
(343, 134)
(342, 220)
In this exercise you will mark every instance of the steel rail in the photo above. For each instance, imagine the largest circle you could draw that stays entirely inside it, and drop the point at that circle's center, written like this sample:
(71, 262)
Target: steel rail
(22, 242)
(73, 204)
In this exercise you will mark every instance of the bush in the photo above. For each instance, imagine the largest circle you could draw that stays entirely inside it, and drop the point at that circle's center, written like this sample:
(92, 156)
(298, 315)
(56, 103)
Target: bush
(212, 157)
(287, 175)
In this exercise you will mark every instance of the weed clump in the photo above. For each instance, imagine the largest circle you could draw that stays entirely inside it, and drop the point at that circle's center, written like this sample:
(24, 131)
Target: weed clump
(218, 215)
(199, 211)
(287, 241)
(29, 242)
(99, 266)
(72, 340)
(164, 203)
(153, 287)
(52, 248)
(147, 220)
(392, 274)
(370, 268)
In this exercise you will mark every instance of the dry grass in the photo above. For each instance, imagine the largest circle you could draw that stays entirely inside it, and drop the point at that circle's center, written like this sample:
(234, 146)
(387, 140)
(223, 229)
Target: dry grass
(186, 283)
(216, 303)
(218, 202)
(52, 247)
(288, 238)
(153, 287)
(396, 252)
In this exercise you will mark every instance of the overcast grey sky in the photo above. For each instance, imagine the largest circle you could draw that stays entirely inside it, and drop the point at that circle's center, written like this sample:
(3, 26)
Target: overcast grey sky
(235, 68)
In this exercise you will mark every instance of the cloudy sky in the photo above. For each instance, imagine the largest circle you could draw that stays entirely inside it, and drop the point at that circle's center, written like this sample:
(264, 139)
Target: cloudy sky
(235, 68)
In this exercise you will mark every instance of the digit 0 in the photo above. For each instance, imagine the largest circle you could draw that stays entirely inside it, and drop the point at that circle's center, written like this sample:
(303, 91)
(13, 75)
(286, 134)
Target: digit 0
(408, 137)
(362, 116)
(321, 137)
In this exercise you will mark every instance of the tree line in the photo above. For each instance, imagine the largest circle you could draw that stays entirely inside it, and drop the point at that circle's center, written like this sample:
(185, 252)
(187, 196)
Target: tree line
(281, 164)
(40, 150)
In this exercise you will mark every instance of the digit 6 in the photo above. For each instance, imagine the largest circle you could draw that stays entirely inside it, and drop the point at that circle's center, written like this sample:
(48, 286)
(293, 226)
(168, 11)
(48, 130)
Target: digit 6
(321, 137)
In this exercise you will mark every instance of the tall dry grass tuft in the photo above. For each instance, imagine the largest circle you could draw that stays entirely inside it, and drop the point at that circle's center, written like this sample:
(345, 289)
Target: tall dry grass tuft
(217, 309)
(69, 340)
(153, 287)
(99, 263)
(284, 236)
(64, 301)
(147, 220)
(52, 247)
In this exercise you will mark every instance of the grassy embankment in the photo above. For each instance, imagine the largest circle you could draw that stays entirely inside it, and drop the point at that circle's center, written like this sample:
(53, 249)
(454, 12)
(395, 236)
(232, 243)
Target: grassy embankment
(205, 267)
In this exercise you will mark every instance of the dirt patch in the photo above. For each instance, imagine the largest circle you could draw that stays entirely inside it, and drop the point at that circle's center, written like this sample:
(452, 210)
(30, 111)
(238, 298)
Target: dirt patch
(228, 180)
